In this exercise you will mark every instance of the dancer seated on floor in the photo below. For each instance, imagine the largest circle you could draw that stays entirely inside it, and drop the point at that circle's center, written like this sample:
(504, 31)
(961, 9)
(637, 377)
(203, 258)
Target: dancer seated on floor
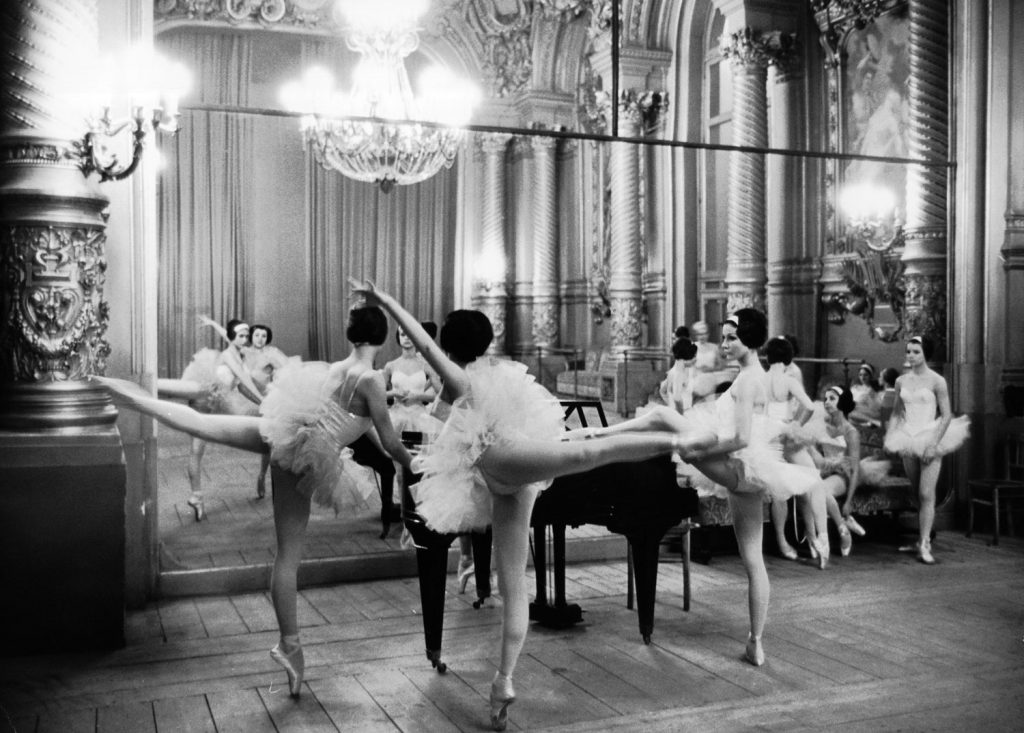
(311, 414)
(500, 445)
(746, 463)
(922, 430)
(262, 361)
(834, 444)
(218, 383)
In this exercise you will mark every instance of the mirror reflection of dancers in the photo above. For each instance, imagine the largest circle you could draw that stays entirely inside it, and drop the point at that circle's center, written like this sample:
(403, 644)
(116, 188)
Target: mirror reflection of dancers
(922, 430)
(746, 463)
(411, 383)
(500, 445)
(263, 361)
(215, 382)
(312, 412)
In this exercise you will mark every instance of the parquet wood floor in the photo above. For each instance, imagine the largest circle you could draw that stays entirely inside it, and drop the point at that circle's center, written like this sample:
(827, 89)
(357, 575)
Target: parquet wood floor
(877, 642)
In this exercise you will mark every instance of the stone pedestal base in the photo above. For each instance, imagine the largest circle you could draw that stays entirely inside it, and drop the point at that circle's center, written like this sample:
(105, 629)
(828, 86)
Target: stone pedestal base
(62, 541)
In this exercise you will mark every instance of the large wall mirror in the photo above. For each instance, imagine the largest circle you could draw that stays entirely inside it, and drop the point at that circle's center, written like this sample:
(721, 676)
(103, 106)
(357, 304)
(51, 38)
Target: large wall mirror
(574, 242)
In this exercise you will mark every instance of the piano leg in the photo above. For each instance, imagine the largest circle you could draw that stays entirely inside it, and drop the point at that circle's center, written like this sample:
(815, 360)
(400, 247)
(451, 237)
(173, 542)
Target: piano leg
(645, 548)
(482, 563)
(432, 568)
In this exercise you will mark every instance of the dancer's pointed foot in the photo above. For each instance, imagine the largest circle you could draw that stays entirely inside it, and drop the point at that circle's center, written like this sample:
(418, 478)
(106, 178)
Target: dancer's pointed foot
(821, 551)
(198, 506)
(845, 540)
(924, 552)
(294, 663)
(854, 526)
(787, 550)
(502, 695)
(754, 652)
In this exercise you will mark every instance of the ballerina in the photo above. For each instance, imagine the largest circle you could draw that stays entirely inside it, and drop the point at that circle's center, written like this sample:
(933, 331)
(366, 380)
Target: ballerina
(312, 412)
(922, 430)
(501, 445)
(262, 361)
(745, 462)
(215, 382)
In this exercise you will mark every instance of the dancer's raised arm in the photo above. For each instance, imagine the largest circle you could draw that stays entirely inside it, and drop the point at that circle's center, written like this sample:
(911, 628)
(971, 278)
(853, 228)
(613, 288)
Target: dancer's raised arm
(453, 376)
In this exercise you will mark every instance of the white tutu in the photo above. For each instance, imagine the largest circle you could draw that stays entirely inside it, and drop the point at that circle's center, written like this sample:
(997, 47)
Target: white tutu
(308, 434)
(216, 397)
(504, 403)
(760, 467)
(911, 439)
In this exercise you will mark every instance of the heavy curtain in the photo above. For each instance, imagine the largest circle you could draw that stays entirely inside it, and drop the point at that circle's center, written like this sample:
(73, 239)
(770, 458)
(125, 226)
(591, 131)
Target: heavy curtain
(211, 251)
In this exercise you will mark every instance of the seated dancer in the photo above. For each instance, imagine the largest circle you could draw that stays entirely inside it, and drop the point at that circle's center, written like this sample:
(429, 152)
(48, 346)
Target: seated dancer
(834, 444)
(922, 430)
(499, 447)
(313, 411)
(215, 382)
(262, 361)
(746, 462)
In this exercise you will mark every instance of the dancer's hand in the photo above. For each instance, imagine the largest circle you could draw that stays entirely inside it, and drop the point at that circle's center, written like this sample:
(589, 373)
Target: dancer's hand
(367, 291)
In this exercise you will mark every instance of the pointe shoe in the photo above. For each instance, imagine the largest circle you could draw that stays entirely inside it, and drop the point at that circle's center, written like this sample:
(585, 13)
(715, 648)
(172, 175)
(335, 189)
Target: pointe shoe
(198, 507)
(854, 526)
(821, 551)
(924, 553)
(502, 695)
(261, 487)
(294, 664)
(787, 551)
(845, 541)
(810, 548)
(466, 571)
(754, 652)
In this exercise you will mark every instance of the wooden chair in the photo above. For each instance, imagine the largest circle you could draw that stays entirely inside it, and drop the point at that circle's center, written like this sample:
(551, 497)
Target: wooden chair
(991, 491)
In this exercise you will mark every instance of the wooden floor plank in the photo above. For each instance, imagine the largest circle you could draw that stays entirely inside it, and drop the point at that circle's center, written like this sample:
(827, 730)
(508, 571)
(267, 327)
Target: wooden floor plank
(136, 717)
(405, 704)
(185, 714)
(350, 706)
(239, 711)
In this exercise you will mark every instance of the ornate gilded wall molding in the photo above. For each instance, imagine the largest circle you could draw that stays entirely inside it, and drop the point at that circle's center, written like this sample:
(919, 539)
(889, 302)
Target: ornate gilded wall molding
(737, 299)
(494, 308)
(55, 314)
(642, 108)
(545, 322)
(627, 322)
(838, 18)
(310, 15)
(925, 313)
(747, 47)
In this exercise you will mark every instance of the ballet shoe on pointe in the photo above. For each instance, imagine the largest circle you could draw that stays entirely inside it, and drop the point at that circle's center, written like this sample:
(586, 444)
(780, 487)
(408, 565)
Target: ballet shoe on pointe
(854, 526)
(198, 506)
(294, 663)
(845, 540)
(502, 695)
(754, 652)
(821, 552)
(924, 552)
(787, 551)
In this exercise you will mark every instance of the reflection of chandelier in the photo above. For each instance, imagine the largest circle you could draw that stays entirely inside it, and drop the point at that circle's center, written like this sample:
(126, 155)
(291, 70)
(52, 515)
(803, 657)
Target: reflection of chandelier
(381, 132)
(872, 216)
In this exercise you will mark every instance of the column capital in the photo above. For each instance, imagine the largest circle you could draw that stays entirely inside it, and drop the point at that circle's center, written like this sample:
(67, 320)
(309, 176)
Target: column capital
(750, 49)
(643, 108)
(494, 142)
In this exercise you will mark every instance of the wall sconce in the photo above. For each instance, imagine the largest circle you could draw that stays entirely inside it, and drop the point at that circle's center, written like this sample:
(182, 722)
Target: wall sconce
(872, 216)
(144, 84)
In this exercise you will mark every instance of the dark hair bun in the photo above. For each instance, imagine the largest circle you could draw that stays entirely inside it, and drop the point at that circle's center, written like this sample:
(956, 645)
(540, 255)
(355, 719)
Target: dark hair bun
(466, 335)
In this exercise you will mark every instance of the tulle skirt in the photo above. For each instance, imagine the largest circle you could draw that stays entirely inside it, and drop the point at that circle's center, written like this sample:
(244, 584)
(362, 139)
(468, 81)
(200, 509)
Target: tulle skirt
(912, 439)
(308, 434)
(871, 471)
(505, 403)
(215, 398)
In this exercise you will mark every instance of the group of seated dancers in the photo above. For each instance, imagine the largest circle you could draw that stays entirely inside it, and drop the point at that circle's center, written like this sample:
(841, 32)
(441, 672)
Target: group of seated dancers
(501, 440)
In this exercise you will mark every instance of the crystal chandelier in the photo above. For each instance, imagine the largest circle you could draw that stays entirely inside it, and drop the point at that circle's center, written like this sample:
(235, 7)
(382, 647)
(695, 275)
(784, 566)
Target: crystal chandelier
(380, 131)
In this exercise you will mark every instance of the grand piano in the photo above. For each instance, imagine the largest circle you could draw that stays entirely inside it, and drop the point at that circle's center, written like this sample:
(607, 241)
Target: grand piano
(639, 500)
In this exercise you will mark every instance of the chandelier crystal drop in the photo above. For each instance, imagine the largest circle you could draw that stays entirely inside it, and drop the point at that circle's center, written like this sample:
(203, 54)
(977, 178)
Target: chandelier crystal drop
(380, 131)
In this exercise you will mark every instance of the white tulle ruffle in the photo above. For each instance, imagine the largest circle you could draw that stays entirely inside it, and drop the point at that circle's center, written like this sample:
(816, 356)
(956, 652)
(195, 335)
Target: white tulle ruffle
(912, 439)
(504, 403)
(308, 434)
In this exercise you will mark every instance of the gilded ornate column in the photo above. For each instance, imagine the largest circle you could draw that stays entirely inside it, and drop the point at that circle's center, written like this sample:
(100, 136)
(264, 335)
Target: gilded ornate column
(62, 497)
(750, 54)
(545, 243)
(927, 198)
(625, 287)
(52, 315)
(490, 293)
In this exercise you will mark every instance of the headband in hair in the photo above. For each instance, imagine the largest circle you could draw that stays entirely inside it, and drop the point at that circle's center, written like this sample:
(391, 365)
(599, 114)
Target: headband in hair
(733, 320)
(837, 389)
(871, 369)
(916, 340)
